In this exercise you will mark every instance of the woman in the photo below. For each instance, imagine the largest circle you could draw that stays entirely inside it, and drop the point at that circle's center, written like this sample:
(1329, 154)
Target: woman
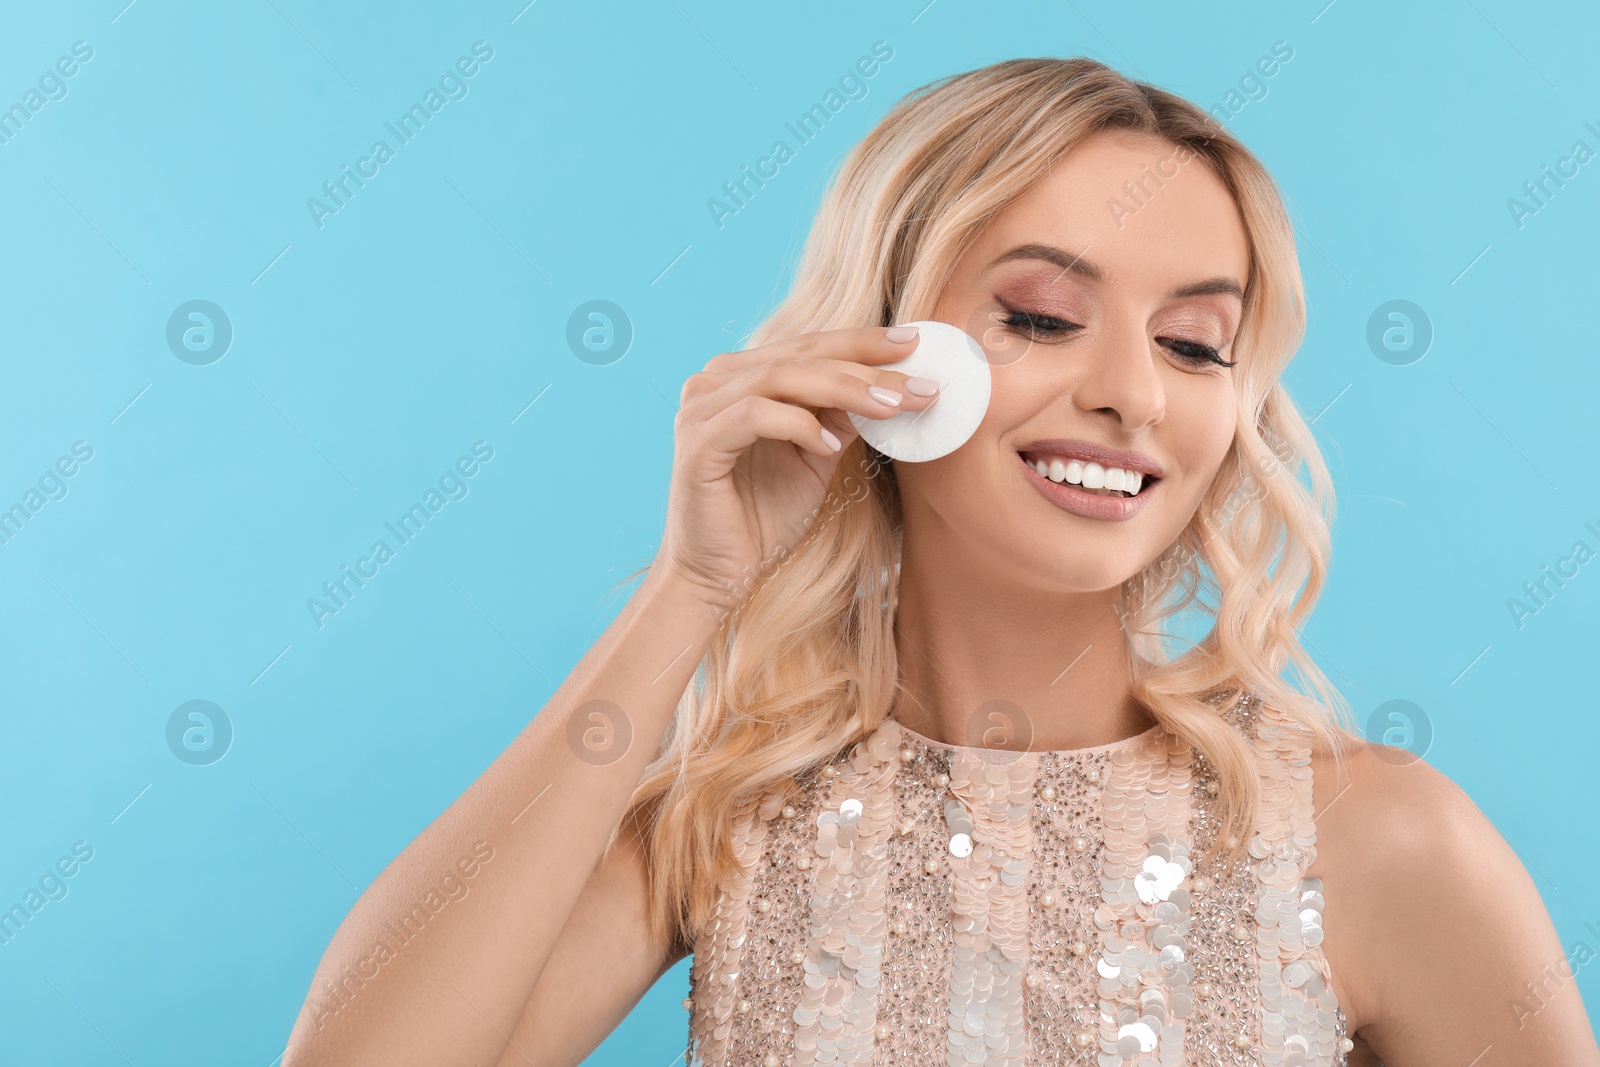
(938, 789)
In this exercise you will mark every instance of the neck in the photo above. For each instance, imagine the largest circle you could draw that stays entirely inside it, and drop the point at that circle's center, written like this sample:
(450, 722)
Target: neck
(990, 662)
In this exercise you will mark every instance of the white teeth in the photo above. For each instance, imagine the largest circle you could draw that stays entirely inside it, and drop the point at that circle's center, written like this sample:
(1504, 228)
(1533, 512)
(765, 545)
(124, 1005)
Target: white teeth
(1089, 475)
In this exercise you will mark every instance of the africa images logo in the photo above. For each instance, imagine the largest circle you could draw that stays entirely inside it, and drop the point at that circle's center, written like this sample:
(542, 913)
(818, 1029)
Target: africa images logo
(452, 85)
(453, 484)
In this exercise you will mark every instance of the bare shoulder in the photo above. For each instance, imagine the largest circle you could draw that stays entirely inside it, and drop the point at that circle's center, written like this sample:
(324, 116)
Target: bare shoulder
(1383, 803)
(1440, 945)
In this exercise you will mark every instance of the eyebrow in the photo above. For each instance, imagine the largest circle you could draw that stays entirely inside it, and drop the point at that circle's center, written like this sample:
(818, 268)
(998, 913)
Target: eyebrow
(1074, 262)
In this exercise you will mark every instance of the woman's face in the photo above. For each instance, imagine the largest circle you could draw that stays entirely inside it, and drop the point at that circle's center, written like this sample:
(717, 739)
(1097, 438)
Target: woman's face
(1100, 298)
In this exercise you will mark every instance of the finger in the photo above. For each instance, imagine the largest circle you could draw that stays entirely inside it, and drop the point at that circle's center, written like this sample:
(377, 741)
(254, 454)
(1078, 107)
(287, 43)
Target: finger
(839, 423)
(750, 418)
(865, 344)
(825, 383)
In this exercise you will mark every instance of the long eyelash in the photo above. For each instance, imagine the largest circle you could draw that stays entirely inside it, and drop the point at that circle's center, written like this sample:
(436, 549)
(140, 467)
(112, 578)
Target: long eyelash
(1199, 353)
(1031, 322)
(1189, 350)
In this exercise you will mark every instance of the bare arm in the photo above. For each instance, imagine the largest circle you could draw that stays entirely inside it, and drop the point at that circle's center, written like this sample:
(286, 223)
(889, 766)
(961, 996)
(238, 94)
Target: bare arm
(438, 961)
(445, 986)
(1458, 960)
(603, 963)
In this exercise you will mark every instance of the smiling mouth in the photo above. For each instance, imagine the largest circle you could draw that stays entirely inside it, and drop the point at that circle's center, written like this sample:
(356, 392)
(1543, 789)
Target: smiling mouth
(1089, 477)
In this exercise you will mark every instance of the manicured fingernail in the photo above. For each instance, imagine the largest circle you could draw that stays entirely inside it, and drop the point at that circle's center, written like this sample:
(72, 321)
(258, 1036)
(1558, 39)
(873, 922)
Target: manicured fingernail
(901, 333)
(830, 440)
(886, 396)
(922, 386)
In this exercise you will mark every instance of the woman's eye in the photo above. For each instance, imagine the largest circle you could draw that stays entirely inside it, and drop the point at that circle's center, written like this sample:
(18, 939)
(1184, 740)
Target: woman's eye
(1038, 324)
(1195, 352)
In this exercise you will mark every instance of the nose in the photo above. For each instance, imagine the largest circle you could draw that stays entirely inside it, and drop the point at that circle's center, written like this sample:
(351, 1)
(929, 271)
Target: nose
(1120, 378)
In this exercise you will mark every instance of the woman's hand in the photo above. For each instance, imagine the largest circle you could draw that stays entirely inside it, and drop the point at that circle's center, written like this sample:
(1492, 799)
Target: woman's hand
(757, 438)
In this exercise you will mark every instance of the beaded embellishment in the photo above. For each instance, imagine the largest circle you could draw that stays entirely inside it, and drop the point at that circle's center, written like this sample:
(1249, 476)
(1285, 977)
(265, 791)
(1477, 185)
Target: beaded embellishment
(1144, 970)
(929, 903)
(716, 958)
(991, 839)
(836, 1019)
(1298, 1005)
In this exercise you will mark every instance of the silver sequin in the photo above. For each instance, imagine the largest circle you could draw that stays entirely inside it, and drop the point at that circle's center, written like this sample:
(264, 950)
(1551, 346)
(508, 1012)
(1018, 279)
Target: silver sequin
(1043, 909)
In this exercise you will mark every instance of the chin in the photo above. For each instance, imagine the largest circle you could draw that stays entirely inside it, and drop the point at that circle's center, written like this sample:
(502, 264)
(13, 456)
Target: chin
(1067, 567)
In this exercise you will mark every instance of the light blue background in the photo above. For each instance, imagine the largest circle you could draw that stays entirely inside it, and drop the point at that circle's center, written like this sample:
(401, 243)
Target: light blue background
(432, 310)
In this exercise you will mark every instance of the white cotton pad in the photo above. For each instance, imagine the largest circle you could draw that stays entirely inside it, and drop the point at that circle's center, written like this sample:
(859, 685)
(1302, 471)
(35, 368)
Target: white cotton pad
(953, 358)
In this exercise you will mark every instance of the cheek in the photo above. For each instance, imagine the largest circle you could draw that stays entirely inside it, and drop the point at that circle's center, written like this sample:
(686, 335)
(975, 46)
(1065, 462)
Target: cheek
(1202, 431)
(951, 482)
(1014, 398)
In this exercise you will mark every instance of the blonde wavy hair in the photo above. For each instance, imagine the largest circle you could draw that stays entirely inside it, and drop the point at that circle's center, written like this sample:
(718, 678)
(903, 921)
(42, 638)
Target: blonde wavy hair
(806, 665)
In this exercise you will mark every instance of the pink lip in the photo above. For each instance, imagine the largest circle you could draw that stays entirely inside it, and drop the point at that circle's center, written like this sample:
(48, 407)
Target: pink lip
(1069, 497)
(1089, 452)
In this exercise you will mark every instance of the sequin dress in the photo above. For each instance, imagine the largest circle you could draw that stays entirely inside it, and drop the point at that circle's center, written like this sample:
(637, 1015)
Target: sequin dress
(923, 903)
